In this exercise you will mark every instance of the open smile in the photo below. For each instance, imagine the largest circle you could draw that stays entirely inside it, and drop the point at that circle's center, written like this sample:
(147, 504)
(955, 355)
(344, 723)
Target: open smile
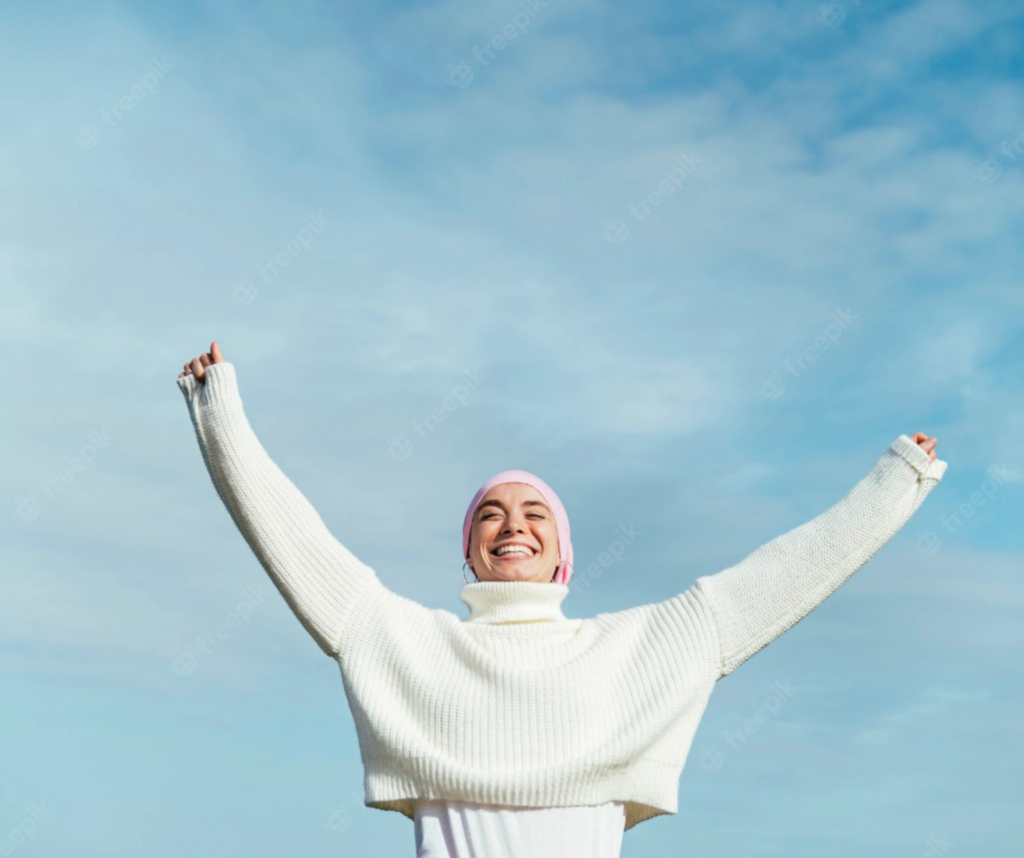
(514, 555)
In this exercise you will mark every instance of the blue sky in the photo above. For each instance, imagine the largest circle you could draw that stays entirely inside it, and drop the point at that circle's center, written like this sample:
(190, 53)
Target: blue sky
(696, 266)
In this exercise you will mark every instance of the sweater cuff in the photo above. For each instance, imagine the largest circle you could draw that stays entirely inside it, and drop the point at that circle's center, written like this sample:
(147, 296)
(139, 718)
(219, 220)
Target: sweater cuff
(220, 387)
(187, 385)
(918, 459)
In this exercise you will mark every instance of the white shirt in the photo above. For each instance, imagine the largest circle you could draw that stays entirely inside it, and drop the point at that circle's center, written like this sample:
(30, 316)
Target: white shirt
(458, 829)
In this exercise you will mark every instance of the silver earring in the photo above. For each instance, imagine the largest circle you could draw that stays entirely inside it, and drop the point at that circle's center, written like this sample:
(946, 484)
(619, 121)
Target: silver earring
(464, 578)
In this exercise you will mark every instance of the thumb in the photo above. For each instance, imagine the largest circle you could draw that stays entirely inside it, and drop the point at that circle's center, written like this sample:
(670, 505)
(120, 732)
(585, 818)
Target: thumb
(216, 355)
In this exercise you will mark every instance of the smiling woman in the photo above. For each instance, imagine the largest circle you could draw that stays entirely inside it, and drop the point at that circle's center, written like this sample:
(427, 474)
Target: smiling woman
(518, 731)
(516, 529)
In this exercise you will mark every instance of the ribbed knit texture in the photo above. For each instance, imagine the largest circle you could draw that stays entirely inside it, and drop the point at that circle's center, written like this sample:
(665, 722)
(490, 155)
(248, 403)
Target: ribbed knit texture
(518, 705)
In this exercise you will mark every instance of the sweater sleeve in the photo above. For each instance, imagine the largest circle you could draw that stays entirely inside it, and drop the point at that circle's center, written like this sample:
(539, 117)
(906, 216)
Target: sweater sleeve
(320, 579)
(776, 586)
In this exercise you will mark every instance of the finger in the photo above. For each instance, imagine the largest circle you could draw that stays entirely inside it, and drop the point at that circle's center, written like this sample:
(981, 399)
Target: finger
(216, 353)
(188, 369)
(197, 368)
(205, 360)
(181, 375)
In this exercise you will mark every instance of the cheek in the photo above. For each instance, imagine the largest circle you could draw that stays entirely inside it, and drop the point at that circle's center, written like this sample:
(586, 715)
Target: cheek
(478, 538)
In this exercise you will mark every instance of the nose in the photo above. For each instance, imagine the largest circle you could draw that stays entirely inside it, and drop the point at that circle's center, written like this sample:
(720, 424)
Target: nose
(512, 526)
(512, 523)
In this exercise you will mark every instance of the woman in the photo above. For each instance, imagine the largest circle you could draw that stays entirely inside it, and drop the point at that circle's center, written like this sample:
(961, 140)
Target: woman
(518, 731)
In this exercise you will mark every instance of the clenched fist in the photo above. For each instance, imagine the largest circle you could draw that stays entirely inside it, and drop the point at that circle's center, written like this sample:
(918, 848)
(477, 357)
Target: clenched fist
(197, 366)
(925, 443)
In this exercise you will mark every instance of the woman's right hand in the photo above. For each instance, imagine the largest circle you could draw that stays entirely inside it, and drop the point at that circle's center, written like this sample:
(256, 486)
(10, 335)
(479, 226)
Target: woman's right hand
(197, 366)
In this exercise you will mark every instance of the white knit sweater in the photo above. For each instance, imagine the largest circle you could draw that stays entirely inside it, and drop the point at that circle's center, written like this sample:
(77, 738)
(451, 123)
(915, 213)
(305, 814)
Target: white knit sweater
(499, 708)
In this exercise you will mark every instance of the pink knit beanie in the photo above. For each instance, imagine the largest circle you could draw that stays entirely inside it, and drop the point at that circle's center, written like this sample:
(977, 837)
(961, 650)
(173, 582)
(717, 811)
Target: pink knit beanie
(564, 571)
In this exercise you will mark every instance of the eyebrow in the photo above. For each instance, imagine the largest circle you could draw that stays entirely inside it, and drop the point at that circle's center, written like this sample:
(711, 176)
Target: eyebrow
(502, 506)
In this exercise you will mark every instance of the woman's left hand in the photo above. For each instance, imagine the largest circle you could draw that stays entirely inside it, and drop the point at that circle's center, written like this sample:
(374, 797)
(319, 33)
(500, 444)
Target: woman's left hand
(925, 442)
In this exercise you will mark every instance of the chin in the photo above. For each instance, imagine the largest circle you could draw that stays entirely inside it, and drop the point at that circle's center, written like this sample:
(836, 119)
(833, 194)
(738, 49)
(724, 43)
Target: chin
(515, 574)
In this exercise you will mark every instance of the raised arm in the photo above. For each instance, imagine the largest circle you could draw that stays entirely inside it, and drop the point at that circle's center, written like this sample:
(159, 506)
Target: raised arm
(776, 586)
(319, 578)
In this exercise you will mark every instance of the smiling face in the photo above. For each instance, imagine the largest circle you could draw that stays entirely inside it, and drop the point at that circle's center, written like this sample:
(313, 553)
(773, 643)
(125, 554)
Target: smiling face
(513, 514)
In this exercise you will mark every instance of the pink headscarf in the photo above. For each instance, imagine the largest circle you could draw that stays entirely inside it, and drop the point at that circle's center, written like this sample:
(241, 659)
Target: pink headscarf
(564, 571)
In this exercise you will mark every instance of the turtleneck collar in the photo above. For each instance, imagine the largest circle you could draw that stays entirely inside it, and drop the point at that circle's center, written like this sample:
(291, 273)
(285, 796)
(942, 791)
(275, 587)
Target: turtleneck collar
(500, 602)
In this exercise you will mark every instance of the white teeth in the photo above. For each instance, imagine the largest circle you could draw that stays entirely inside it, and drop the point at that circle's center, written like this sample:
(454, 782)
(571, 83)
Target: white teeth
(513, 549)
